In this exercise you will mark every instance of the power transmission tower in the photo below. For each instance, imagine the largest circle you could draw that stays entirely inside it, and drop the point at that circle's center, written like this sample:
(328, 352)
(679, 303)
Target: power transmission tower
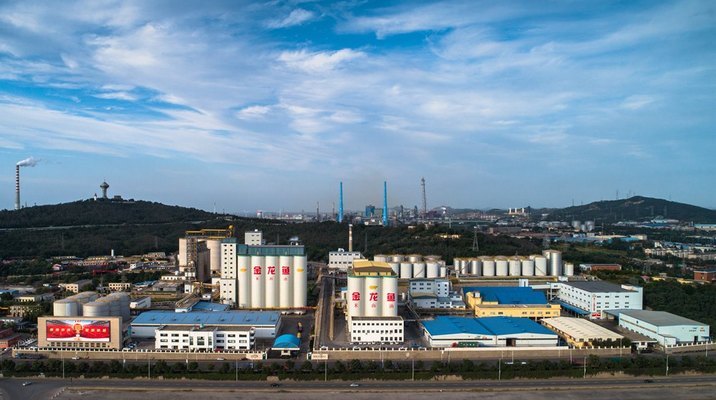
(475, 246)
(425, 202)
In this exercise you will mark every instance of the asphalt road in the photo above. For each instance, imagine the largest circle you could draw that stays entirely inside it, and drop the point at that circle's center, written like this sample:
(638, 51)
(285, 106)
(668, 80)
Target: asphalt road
(40, 389)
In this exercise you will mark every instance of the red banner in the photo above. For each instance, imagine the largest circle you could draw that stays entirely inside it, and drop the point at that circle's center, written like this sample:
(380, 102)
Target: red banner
(78, 330)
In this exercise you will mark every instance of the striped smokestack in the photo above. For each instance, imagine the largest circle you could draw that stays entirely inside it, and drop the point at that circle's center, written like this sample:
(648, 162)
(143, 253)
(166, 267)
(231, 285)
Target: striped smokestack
(17, 187)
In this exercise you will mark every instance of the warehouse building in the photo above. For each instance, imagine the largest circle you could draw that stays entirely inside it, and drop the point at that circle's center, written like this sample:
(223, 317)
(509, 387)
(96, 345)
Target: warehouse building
(264, 323)
(666, 328)
(445, 331)
(593, 298)
(580, 332)
(372, 306)
(522, 302)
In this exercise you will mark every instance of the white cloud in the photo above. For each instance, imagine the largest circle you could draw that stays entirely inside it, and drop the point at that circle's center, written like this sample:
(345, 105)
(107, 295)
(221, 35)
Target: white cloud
(637, 102)
(322, 61)
(253, 112)
(296, 17)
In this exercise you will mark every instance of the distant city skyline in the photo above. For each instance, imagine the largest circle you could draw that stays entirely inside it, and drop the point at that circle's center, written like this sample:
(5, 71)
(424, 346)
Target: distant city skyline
(240, 106)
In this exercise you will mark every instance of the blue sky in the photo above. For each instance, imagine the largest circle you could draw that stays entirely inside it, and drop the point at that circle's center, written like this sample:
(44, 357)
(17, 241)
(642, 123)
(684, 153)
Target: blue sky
(268, 105)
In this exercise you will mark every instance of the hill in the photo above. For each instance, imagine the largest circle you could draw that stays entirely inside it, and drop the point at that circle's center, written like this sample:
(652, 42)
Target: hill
(637, 208)
(102, 212)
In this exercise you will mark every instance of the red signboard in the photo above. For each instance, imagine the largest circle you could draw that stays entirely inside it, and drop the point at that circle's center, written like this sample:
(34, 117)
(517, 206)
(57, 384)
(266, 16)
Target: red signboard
(78, 331)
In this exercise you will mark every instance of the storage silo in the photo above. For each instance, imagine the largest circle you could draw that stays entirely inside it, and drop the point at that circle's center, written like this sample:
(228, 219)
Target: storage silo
(406, 270)
(258, 266)
(528, 267)
(389, 308)
(475, 267)
(285, 285)
(501, 266)
(65, 308)
(555, 262)
(243, 268)
(182, 255)
(396, 258)
(96, 309)
(395, 267)
(568, 269)
(115, 307)
(300, 281)
(355, 296)
(414, 258)
(214, 246)
(372, 290)
(515, 266)
(488, 266)
(380, 258)
(124, 301)
(464, 266)
(443, 271)
(431, 258)
(419, 270)
(432, 269)
(271, 282)
(540, 265)
(588, 226)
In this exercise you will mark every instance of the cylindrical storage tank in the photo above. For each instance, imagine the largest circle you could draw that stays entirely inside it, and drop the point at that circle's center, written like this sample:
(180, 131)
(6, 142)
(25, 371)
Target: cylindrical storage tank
(115, 308)
(443, 271)
(540, 265)
(397, 258)
(380, 258)
(413, 258)
(285, 285)
(488, 266)
(271, 282)
(515, 266)
(372, 290)
(300, 281)
(243, 269)
(389, 308)
(431, 258)
(589, 226)
(419, 270)
(124, 302)
(432, 269)
(475, 267)
(501, 266)
(214, 247)
(555, 263)
(95, 309)
(258, 266)
(406, 270)
(464, 266)
(568, 269)
(355, 296)
(65, 308)
(182, 256)
(528, 267)
(395, 267)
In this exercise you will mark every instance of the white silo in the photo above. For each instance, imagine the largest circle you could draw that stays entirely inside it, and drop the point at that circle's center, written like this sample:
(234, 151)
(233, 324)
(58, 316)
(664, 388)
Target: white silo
(182, 256)
(355, 296)
(568, 269)
(271, 282)
(576, 225)
(443, 271)
(300, 281)
(396, 258)
(540, 265)
(395, 267)
(419, 270)
(432, 269)
(488, 266)
(285, 293)
(431, 258)
(501, 266)
(414, 258)
(65, 308)
(555, 262)
(258, 266)
(214, 246)
(588, 226)
(389, 308)
(475, 267)
(380, 258)
(95, 309)
(528, 267)
(515, 266)
(243, 269)
(406, 270)
(124, 301)
(372, 300)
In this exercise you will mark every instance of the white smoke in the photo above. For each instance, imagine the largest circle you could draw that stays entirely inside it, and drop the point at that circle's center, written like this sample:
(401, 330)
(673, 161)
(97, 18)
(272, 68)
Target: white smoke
(28, 162)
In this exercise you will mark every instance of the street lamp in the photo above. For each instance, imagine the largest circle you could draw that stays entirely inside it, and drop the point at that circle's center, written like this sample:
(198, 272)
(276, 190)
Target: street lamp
(585, 367)
(667, 365)
(499, 369)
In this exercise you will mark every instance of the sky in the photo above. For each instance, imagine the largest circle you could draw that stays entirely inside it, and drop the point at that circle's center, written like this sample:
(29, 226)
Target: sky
(240, 106)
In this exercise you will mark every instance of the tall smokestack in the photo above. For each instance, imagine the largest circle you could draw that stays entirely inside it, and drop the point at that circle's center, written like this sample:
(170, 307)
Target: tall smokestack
(17, 187)
(385, 203)
(340, 204)
(350, 237)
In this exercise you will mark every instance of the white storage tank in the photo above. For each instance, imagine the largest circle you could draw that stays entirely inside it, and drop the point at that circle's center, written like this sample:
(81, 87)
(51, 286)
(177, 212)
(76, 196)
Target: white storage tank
(380, 258)
(475, 267)
(528, 267)
(568, 269)
(372, 290)
(431, 258)
(419, 270)
(555, 262)
(406, 270)
(285, 285)
(214, 246)
(464, 266)
(271, 281)
(397, 258)
(414, 258)
(258, 266)
(65, 308)
(300, 281)
(243, 268)
(488, 266)
(395, 267)
(501, 266)
(515, 266)
(389, 308)
(355, 296)
(96, 309)
(432, 269)
(540, 265)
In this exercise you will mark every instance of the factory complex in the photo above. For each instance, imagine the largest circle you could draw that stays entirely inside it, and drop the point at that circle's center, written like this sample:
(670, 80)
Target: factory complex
(446, 331)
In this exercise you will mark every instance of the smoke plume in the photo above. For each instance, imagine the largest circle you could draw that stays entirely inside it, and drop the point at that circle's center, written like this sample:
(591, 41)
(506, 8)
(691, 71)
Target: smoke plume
(28, 162)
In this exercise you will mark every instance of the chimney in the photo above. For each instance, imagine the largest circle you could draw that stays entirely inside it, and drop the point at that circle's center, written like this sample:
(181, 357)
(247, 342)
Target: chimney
(340, 204)
(385, 203)
(350, 237)
(17, 187)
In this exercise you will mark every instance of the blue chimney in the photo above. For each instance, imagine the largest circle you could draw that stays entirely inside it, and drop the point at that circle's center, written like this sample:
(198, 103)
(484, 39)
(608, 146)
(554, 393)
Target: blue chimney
(340, 204)
(385, 203)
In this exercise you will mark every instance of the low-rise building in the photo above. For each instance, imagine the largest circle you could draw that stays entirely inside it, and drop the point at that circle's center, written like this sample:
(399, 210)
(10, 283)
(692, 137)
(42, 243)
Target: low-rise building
(522, 302)
(23, 310)
(600, 267)
(264, 323)
(75, 287)
(35, 298)
(204, 338)
(580, 332)
(705, 275)
(119, 286)
(341, 260)
(389, 330)
(434, 294)
(141, 303)
(593, 298)
(448, 331)
(666, 328)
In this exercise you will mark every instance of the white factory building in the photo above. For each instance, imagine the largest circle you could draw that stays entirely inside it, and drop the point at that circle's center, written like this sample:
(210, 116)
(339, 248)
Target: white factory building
(263, 276)
(434, 294)
(666, 328)
(342, 260)
(150, 324)
(372, 304)
(414, 266)
(593, 298)
(549, 263)
(204, 338)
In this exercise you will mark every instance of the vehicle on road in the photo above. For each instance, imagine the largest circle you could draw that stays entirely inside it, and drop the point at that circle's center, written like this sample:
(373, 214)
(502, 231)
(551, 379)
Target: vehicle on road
(648, 381)
(354, 384)
(27, 383)
(275, 384)
(219, 359)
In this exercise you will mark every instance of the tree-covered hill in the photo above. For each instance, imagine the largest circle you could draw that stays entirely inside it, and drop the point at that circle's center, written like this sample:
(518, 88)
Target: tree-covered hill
(635, 208)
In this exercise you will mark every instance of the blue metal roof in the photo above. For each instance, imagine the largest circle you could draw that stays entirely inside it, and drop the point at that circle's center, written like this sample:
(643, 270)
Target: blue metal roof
(572, 308)
(492, 326)
(252, 318)
(209, 306)
(287, 341)
(508, 295)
